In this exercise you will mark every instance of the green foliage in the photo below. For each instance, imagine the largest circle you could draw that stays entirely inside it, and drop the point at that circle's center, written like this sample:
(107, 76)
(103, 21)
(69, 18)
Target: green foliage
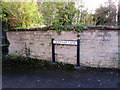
(24, 14)
(26, 63)
(13, 56)
(63, 63)
(60, 28)
(47, 10)
(21, 27)
(58, 13)
(105, 15)
(65, 13)
(83, 16)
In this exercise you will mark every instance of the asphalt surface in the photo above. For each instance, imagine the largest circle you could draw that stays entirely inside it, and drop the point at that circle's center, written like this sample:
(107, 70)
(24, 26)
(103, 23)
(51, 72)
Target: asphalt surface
(60, 79)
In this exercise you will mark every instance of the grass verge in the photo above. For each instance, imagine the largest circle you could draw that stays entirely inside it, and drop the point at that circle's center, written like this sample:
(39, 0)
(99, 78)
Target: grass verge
(25, 63)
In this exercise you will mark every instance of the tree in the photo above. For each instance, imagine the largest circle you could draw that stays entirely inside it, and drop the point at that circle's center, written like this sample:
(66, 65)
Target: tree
(24, 14)
(119, 13)
(57, 13)
(65, 13)
(82, 16)
(106, 15)
(48, 10)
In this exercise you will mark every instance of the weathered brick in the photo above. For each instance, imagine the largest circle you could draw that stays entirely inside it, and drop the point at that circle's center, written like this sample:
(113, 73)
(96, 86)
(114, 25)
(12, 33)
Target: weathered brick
(98, 48)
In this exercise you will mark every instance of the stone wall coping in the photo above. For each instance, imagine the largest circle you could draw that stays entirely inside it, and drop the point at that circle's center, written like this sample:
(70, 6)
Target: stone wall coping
(86, 28)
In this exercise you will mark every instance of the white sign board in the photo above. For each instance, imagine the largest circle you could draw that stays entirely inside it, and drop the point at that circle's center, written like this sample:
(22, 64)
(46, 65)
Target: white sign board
(65, 42)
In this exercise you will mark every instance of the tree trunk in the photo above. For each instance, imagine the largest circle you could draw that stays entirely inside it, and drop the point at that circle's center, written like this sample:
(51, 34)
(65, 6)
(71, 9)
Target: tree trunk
(119, 12)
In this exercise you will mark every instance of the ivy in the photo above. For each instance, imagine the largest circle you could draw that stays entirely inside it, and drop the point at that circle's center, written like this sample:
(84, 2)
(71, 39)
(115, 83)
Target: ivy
(60, 28)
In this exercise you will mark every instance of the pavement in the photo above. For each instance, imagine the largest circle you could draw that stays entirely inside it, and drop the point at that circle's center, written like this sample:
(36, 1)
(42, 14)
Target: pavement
(60, 78)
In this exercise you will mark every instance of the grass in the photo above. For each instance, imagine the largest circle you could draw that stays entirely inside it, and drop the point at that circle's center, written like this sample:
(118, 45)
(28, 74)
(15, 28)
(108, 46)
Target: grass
(25, 63)
(20, 63)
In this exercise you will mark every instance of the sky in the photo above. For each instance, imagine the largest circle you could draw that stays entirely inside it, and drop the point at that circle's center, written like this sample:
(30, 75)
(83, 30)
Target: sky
(90, 4)
(93, 4)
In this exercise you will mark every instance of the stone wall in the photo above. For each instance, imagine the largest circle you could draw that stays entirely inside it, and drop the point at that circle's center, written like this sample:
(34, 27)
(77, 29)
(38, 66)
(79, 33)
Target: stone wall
(98, 48)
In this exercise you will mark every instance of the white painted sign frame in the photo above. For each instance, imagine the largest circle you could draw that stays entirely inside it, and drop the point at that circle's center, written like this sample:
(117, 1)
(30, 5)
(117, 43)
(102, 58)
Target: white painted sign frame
(65, 42)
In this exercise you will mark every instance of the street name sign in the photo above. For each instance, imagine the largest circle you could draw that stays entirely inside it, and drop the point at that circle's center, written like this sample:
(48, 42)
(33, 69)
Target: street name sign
(65, 42)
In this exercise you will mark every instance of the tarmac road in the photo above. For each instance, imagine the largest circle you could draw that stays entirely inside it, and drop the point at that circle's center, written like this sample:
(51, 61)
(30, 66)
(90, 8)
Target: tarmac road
(60, 79)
